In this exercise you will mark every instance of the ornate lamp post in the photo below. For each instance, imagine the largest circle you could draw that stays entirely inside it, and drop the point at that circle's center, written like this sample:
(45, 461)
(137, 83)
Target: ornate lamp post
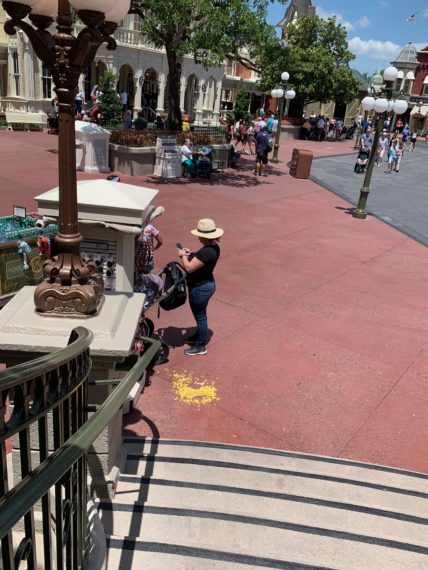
(71, 287)
(381, 101)
(281, 94)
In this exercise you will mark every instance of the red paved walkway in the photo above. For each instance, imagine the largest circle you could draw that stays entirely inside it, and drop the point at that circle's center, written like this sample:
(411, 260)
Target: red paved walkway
(319, 320)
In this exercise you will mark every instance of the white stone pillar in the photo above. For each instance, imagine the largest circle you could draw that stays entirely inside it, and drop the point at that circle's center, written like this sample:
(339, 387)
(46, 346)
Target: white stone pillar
(10, 78)
(138, 91)
(28, 75)
(161, 95)
(199, 103)
(183, 84)
(216, 112)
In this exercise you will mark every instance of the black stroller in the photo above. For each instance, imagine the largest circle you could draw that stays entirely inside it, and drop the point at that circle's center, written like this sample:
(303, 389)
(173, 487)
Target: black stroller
(362, 161)
(169, 294)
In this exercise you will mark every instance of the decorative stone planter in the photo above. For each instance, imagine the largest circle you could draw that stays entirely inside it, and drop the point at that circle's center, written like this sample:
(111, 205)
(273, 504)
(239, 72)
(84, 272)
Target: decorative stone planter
(132, 160)
(140, 160)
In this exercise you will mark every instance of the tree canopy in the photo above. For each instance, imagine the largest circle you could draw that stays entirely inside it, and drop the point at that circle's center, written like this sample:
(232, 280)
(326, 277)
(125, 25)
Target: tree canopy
(209, 30)
(315, 53)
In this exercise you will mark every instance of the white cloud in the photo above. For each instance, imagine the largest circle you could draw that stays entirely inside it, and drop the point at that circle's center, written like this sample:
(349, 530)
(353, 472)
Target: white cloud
(363, 22)
(424, 13)
(374, 49)
(324, 14)
(384, 4)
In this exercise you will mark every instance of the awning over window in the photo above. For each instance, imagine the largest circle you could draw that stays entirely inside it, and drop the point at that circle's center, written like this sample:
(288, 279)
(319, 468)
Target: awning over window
(426, 80)
(422, 110)
(410, 75)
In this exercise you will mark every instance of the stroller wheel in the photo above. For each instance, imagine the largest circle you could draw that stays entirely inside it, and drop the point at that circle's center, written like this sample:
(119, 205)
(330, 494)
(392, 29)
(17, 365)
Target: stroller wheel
(162, 355)
(147, 327)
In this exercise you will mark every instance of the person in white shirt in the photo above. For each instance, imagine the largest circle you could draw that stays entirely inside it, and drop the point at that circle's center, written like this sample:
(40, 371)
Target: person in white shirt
(124, 100)
(187, 156)
(79, 99)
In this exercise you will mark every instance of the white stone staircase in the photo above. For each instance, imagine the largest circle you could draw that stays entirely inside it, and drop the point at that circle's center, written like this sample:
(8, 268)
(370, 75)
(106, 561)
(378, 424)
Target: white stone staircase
(192, 505)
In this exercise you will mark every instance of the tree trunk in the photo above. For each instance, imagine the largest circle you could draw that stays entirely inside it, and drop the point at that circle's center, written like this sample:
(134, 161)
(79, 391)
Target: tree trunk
(174, 77)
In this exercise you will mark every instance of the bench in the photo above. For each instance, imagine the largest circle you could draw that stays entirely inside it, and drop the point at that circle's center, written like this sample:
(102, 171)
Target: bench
(21, 121)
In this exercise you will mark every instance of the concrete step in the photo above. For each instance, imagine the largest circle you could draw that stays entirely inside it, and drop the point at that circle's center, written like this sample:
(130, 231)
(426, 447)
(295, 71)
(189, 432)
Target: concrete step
(192, 505)
(275, 459)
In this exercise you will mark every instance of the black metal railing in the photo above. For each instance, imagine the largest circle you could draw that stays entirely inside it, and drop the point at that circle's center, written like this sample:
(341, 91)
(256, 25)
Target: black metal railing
(44, 410)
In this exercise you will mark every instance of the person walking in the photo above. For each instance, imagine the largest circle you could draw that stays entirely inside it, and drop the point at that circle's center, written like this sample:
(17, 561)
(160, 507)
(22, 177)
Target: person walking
(147, 242)
(78, 101)
(382, 148)
(200, 267)
(413, 139)
(262, 143)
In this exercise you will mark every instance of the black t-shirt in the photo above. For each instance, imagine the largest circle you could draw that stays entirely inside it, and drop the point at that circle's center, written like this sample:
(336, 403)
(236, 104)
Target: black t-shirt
(209, 255)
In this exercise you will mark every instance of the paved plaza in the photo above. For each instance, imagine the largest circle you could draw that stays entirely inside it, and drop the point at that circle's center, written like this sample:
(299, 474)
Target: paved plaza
(319, 331)
(399, 199)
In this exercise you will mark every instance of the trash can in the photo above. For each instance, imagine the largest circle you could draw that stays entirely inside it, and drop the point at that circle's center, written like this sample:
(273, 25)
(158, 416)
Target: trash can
(301, 162)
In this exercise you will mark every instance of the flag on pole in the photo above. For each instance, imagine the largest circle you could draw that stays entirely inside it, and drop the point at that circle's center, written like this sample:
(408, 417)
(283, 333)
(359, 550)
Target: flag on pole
(411, 18)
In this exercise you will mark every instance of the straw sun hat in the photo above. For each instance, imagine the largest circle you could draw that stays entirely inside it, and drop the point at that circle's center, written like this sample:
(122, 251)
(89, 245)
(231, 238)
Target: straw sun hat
(207, 229)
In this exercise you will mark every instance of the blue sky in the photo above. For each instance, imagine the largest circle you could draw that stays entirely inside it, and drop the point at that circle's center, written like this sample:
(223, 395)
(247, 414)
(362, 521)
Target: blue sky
(377, 29)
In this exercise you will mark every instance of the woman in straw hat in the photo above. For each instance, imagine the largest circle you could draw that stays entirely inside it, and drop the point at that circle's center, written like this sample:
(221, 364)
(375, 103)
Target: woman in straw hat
(200, 279)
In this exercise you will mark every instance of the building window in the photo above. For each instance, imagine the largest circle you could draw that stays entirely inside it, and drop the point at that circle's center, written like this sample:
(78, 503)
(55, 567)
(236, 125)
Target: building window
(46, 83)
(15, 60)
(425, 91)
(405, 88)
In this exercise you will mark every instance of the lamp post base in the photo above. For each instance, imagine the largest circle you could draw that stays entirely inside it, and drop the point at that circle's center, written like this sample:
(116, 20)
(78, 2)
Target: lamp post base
(274, 158)
(359, 214)
(76, 300)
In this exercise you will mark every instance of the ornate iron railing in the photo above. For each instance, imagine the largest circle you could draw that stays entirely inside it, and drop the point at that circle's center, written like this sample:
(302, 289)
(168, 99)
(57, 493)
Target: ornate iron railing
(44, 409)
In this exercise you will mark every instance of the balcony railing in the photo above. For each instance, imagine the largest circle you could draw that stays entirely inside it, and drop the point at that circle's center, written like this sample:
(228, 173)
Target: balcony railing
(44, 408)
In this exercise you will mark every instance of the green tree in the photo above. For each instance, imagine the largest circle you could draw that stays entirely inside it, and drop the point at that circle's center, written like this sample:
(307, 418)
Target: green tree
(110, 104)
(241, 106)
(316, 55)
(209, 30)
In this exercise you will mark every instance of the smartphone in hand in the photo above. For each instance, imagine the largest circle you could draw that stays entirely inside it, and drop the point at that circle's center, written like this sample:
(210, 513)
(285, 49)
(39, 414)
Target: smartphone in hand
(178, 245)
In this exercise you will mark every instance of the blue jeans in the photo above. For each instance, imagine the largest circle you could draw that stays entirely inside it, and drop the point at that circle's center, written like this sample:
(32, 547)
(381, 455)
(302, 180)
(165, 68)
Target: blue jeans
(198, 299)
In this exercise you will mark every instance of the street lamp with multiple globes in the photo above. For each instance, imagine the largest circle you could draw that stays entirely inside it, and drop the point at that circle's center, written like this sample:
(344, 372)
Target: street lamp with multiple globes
(281, 94)
(71, 287)
(382, 101)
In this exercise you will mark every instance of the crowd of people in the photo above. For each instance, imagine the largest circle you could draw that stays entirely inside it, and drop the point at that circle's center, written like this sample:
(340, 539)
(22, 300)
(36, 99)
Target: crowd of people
(321, 128)
(391, 145)
(256, 136)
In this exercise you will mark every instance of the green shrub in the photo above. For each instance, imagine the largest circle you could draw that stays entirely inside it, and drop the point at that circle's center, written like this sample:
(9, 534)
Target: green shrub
(130, 137)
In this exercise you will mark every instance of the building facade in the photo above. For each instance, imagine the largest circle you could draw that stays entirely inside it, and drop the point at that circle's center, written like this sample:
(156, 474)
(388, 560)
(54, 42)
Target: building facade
(412, 81)
(142, 71)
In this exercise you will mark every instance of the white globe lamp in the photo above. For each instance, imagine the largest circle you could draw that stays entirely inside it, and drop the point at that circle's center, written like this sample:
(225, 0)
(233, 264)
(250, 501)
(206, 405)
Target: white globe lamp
(290, 94)
(103, 6)
(400, 106)
(381, 105)
(280, 93)
(368, 103)
(47, 8)
(390, 73)
(29, 3)
(119, 12)
(285, 76)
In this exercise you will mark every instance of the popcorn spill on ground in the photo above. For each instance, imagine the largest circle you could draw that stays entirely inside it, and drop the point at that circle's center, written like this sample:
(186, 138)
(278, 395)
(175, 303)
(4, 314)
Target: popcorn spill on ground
(193, 391)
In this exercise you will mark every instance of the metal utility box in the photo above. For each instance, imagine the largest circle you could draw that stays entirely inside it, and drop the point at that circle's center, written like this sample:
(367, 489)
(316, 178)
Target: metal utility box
(168, 158)
(301, 162)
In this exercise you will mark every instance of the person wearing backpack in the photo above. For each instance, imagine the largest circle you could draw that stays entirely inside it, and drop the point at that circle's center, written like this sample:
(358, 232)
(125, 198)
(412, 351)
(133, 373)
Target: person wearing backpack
(262, 150)
(200, 266)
